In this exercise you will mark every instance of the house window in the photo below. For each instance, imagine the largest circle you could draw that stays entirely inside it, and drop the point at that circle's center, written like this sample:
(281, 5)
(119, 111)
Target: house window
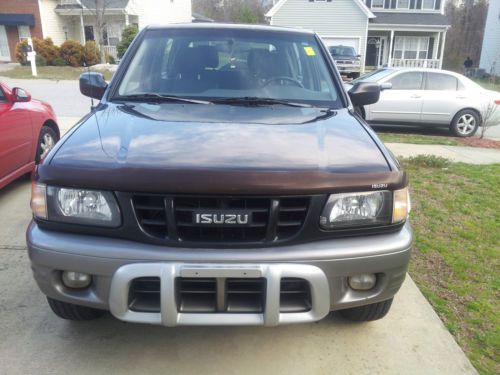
(411, 47)
(378, 4)
(403, 4)
(24, 32)
(428, 4)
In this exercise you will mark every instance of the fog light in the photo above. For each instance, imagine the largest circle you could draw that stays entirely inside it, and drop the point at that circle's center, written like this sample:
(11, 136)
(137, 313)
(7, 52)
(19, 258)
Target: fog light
(364, 281)
(76, 280)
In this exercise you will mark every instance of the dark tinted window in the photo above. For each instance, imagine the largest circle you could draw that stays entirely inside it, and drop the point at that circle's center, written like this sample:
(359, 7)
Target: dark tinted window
(229, 63)
(2, 96)
(407, 81)
(443, 82)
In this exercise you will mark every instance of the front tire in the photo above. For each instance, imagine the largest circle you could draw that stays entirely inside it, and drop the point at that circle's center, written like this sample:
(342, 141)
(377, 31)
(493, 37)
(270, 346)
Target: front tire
(46, 141)
(368, 313)
(465, 123)
(70, 311)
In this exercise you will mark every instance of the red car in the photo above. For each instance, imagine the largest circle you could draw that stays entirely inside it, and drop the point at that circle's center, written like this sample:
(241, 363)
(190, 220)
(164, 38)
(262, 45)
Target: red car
(28, 130)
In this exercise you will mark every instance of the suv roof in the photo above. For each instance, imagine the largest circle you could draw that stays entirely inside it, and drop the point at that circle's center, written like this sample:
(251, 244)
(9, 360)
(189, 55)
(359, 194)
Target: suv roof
(232, 26)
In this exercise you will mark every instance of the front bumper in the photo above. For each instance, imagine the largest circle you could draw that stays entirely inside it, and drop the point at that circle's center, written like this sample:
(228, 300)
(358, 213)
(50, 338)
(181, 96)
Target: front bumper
(113, 263)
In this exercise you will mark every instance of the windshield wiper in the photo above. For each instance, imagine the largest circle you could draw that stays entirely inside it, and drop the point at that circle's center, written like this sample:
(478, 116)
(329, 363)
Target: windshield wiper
(152, 96)
(253, 100)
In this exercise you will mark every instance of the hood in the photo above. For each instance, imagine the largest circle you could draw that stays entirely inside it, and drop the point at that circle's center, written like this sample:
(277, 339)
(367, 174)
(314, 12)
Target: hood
(216, 148)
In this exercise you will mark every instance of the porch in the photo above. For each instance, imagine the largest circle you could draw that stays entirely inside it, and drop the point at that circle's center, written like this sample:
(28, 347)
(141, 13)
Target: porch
(81, 25)
(405, 49)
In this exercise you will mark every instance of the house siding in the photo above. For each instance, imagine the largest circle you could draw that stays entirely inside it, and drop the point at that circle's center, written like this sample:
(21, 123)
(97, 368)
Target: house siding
(341, 18)
(160, 12)
(53, 24)
(490, 53)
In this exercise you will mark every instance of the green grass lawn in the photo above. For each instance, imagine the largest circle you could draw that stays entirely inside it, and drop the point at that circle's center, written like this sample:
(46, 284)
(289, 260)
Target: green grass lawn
(418, 139)
(49, 72)
(456, 259)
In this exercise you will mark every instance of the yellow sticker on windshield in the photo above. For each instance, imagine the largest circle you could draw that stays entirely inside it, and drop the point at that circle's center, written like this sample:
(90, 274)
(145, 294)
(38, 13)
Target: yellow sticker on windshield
(309, 51)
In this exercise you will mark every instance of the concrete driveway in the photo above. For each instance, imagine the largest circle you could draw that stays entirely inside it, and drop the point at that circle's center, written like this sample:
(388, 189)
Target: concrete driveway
(410, 340)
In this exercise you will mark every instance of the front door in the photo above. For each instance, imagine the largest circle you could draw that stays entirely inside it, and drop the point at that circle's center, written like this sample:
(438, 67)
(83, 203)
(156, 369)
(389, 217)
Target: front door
(15, 135)
(372, 51)
(4, 45)
(403, 103)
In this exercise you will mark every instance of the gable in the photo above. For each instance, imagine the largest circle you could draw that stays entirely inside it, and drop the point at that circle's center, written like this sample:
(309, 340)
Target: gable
(332, 4)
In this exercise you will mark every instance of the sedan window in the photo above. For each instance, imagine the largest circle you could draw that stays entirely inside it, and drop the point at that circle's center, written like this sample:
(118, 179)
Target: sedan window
(2, 96)
(407, 81)
(442, 82)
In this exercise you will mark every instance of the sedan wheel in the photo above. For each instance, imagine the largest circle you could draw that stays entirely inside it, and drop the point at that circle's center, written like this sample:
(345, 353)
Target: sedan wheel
(46, 142)
(465, 123)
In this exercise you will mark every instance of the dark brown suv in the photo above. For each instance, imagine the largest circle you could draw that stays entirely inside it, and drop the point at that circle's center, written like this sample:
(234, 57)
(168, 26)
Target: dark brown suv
(222, 179)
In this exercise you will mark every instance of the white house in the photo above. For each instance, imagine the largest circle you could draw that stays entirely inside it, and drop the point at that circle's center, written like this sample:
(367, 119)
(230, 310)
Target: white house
(409, 33)
(75, 19)
(490, 53)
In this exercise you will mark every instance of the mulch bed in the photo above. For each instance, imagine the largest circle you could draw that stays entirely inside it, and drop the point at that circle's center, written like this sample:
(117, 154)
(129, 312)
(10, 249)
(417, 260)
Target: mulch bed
(477, 142)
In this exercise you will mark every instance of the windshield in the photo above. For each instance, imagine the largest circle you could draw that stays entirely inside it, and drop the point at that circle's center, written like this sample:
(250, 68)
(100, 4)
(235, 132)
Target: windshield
(342, 51)
(374, 76)
(210, 64)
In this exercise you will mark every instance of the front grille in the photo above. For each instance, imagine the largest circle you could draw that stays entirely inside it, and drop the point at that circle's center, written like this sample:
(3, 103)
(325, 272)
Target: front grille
(220, 295)
(172, 218)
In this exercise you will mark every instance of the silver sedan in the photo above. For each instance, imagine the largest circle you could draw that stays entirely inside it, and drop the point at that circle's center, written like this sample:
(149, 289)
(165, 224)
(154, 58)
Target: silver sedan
(430, 97)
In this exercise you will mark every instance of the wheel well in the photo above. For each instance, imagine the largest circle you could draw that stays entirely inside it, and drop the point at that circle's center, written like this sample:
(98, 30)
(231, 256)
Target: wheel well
(473, 110)
(52, 124)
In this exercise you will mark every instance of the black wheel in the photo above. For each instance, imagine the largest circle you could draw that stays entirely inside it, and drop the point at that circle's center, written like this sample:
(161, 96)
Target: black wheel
(46, 141)
(465, 123)
(368, 313)
(70, 311)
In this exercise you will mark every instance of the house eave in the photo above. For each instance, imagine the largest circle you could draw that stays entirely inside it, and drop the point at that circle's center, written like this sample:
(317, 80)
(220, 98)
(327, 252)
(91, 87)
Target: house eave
(89, 12)
(402, 27)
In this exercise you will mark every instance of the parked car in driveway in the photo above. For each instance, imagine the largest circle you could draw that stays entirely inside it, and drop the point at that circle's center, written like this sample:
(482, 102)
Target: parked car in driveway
(223, 179)
(346, 58)
(428, 97)
(28, 130)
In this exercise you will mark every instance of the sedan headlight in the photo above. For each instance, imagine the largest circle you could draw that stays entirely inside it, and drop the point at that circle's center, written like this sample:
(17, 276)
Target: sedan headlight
(365, 209)
(76, 206)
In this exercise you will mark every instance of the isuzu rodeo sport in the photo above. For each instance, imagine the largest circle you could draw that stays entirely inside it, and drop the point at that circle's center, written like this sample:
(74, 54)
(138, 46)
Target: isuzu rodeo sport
(223, 179)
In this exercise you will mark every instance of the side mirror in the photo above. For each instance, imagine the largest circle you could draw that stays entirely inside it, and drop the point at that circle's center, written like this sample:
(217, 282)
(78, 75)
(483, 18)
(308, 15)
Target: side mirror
(364, 93)
(92, 84)
(20, 95)
(385, 86)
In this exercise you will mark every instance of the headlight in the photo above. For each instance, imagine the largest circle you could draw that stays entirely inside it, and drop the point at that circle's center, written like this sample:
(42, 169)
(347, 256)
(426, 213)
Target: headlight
(76, 206)
(365, 209)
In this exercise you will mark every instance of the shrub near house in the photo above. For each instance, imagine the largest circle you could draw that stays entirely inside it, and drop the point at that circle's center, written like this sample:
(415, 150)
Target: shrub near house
(71, 53)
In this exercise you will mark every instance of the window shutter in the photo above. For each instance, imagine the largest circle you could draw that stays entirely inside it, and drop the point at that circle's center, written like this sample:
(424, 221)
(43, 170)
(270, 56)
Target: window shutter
(393, 4)
(369, 3)
(412, 4)
(419, 4)
(438, 5)
(387, 4)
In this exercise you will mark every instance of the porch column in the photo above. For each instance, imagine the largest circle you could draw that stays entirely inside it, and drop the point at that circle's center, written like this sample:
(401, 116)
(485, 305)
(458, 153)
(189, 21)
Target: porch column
(82, 38)
(127, 21)
(391, 41)
(442, 50)
(436, 47)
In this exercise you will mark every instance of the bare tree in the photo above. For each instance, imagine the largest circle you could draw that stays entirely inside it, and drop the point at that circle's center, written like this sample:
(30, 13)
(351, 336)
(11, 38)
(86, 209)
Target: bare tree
(465, 35)
(98, 12)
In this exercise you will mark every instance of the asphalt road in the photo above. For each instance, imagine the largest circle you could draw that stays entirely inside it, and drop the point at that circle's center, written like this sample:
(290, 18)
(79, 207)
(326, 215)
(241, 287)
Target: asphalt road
(410, 340)
(70, 105)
